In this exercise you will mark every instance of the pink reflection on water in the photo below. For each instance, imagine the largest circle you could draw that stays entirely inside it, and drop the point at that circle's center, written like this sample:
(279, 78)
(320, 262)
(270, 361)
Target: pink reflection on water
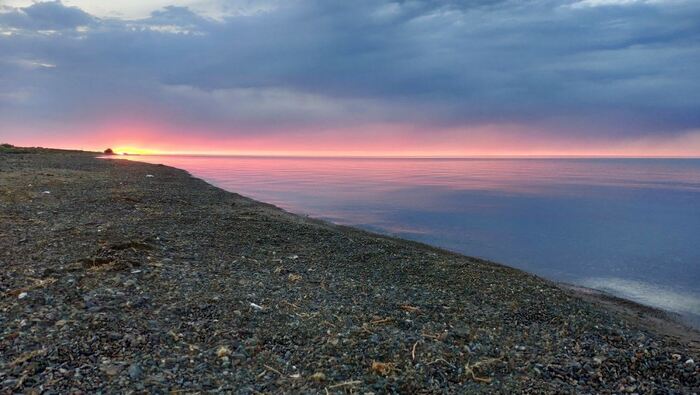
(351, 175)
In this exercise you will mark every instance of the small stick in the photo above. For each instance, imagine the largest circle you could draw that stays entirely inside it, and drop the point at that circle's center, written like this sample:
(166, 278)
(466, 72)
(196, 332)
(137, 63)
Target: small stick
(441, 360)
(413, 352)
(273, 369)
(344, 383)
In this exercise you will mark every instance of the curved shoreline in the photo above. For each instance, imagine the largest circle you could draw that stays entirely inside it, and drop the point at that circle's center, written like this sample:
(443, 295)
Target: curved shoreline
(677, 320)
(128, 276)
(651, 318)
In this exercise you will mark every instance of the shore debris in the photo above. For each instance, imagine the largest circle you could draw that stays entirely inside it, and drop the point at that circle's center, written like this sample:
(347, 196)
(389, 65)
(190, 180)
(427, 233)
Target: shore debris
(318, 376)
(383, 368)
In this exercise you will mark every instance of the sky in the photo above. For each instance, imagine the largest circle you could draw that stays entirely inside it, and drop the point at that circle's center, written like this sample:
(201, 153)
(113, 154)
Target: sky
(368, 78)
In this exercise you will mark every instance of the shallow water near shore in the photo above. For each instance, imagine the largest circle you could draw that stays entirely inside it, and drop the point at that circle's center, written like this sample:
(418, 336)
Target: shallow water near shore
(630, 227)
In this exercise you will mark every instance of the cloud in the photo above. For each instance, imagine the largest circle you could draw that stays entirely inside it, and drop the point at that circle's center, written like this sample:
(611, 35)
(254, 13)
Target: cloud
(51, 15)
(588, 69)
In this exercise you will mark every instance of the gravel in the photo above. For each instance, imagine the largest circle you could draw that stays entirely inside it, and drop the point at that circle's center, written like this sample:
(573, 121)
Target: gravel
(131, 277)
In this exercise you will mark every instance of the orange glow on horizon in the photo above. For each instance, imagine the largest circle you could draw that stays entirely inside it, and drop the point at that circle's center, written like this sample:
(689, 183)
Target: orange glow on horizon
(131, 150)
(369, 141)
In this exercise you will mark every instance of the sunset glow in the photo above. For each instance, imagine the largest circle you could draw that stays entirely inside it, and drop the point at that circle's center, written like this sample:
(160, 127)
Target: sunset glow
(379, 141)
(371, 79)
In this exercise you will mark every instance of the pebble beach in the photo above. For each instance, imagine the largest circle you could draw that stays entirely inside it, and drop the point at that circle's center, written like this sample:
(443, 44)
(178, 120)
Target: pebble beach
(128, 277)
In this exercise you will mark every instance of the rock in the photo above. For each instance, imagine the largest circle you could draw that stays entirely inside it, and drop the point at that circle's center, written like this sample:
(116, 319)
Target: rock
(111, 369)
(22, 295)
(114, 336)
(690, 362)
(135, 371)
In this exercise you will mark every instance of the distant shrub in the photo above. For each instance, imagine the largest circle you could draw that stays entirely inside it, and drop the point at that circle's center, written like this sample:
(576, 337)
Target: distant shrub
(109, 151)
(5, 145)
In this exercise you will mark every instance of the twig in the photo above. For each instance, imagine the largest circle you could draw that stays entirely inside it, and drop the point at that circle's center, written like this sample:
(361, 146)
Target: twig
(413, 352)
(469, 370)
(38, 283)
(27, 356)
(409, 308)
(273, 369)
(381, 321)
(344, 383)
(441, 360)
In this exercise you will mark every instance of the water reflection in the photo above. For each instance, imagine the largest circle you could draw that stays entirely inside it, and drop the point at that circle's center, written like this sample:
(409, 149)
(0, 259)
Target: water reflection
(566, 219)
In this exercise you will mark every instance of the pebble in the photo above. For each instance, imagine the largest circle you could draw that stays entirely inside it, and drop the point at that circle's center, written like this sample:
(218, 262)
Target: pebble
(135, 371)
(22, 295)
(111, 369)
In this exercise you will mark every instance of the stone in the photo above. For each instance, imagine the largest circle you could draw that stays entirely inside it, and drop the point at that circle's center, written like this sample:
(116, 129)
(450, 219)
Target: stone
(135, 371)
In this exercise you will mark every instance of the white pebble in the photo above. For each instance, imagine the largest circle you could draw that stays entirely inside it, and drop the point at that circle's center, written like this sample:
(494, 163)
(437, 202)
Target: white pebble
(150, 175)
(22, 295)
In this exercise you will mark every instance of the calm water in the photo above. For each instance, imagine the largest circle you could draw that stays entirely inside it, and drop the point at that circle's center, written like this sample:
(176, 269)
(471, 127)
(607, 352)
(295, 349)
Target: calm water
(627, 226)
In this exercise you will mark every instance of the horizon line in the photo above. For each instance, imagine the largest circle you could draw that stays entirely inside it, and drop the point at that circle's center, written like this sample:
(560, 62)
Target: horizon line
(146, 152)
(482, 156)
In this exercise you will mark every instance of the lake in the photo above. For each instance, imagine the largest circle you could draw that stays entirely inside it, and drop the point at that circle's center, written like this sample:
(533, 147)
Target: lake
(630, 227)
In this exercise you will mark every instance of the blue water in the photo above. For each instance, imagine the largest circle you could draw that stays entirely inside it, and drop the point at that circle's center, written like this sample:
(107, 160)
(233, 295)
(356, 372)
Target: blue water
(627, 226)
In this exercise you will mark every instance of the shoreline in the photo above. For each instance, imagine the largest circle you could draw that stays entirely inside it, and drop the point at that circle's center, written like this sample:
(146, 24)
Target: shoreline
(676, 322)
(330, 303)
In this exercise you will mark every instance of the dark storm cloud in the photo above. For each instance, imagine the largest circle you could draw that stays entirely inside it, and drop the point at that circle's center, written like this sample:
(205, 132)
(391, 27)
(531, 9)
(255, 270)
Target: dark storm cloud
(582, 67)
